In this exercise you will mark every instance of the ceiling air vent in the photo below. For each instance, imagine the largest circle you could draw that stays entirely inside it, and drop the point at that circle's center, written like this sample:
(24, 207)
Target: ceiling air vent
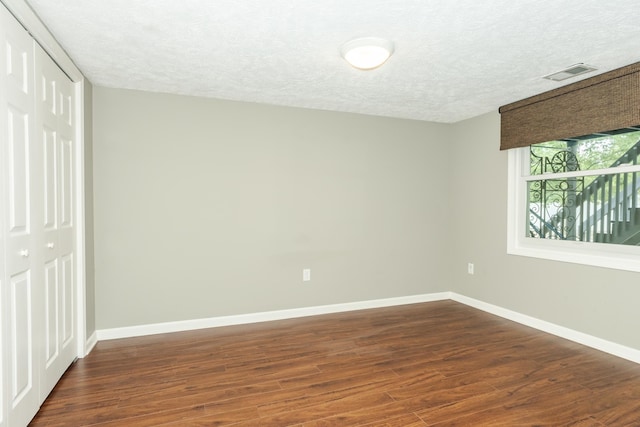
(573, 71)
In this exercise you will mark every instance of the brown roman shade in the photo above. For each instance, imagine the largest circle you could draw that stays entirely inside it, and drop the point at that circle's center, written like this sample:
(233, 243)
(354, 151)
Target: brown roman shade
(602, 103)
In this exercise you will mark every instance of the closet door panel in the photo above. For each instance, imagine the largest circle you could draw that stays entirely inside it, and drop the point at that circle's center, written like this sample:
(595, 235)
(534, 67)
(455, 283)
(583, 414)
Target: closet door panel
(52, 290)
(54, 110)
(19, 117)
(67, 286)
(66, 203)
(18, 121)
(50, 158)
(20, 304)
(66, 199)
(50, 225)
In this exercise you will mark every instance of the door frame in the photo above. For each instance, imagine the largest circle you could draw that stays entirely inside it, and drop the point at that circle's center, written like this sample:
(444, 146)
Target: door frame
(28, 19)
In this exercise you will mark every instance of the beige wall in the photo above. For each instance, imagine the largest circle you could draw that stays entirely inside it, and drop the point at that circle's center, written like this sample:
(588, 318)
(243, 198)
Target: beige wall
(207, 208)
(597, 301)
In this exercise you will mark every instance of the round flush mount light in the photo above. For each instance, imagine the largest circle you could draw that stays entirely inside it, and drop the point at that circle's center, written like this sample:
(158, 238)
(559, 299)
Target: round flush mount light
(367, 53)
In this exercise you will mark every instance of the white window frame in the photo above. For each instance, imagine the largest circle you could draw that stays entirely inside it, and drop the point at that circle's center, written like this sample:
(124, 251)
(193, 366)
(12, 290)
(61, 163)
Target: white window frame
(620, 257)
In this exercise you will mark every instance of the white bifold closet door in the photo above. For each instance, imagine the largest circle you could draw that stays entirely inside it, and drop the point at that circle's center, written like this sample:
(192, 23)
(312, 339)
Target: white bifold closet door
(37, 306)
(54, 169)
(21, 313)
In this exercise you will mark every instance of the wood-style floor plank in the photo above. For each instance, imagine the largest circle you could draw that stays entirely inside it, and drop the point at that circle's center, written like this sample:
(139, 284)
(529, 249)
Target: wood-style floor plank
(432, 364)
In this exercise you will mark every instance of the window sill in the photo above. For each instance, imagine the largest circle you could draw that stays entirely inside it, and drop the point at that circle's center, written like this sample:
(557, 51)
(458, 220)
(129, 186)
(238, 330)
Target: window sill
(617, 257)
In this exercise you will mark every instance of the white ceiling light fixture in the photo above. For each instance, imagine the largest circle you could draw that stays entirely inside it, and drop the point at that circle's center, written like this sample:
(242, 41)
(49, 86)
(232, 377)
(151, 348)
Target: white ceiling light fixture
(367, 53)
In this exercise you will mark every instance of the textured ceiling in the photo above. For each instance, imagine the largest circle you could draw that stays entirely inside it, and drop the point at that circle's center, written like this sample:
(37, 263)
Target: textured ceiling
(454, 59)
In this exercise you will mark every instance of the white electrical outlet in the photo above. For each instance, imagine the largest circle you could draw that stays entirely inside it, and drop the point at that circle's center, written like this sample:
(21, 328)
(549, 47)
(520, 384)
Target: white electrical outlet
(306, 275)
(470, 268)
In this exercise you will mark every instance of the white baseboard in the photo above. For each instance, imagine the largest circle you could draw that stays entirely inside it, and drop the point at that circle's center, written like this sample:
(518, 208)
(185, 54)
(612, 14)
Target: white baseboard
(551, 328)
(188, 325)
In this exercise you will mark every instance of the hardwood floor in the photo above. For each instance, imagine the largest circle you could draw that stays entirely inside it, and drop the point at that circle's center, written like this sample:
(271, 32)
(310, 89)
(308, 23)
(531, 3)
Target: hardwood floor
(432, 364)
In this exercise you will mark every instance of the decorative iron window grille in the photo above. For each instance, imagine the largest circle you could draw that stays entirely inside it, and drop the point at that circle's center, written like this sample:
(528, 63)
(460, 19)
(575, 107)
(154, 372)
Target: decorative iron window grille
(595, 203)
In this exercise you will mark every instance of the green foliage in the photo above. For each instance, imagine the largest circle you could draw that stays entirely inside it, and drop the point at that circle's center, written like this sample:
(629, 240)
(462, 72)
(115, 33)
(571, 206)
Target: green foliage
(591, 154)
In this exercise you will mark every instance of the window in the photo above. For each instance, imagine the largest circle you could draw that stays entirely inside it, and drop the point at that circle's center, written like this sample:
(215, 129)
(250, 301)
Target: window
(578, 200)
(575, 199)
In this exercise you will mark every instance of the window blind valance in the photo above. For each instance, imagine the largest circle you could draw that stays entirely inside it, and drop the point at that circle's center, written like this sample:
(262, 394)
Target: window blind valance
(601, 103)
